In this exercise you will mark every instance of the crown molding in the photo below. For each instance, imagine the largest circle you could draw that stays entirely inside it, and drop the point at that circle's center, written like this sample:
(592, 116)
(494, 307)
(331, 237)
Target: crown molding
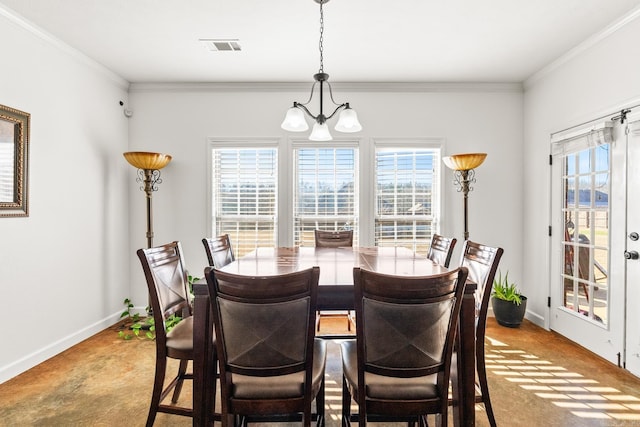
(582, 47)
(345, 87)
(49, 38)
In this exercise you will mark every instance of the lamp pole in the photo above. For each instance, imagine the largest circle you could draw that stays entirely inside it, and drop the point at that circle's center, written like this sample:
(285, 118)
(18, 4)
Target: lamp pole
(463, 178)
(149, 181)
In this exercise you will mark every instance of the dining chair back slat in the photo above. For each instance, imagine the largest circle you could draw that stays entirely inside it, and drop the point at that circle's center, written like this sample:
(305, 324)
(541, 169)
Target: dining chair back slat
(219, 250)
(441, 249)
(333, 239)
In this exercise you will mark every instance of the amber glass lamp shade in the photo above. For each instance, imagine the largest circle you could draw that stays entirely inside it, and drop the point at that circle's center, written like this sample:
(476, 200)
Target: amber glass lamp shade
(464, 162)
(146, 160)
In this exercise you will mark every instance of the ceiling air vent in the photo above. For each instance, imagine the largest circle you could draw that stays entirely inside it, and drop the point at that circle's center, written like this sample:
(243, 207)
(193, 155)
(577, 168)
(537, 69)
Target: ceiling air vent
(221, 45)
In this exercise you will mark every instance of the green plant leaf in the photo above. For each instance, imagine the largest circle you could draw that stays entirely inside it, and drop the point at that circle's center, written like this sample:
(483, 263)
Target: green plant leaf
(506, 291)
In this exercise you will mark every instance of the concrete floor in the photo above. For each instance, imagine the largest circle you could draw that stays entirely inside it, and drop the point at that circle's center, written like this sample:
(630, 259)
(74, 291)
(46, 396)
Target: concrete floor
(537, 378)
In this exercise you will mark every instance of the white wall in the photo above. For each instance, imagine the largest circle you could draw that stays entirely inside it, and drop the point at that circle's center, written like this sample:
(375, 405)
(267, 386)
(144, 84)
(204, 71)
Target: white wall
(67, 267)
(178, 119)
(596, 80)
(64, 270)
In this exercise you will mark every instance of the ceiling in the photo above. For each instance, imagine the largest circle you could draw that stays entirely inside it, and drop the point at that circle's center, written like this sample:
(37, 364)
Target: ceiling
(364, 40)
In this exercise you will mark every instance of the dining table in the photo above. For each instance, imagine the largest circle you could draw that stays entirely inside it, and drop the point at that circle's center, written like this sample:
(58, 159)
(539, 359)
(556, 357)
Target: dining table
(335, 292)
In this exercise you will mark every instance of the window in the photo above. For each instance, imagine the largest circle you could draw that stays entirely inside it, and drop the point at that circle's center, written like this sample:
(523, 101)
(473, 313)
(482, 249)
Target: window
(244, 184)
(276, 193)
(325, 192)
(406, 197)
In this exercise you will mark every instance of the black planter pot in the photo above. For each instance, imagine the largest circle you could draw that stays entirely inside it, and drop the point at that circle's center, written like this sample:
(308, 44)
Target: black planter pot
(507, 313)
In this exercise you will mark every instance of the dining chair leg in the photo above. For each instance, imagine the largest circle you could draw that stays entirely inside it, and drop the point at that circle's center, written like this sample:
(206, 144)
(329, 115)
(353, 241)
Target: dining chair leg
(156, 395)
(212, 382)
(306, 417)
(346, 404)
(180, 380)
(484, 388)
(320, 402)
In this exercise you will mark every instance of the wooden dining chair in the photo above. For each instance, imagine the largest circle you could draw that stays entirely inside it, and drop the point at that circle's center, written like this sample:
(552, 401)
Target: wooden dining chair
(398, 367)
(270, 362)
(334, 239)
(164, 271)
(482, 262)
(441, 249)
(219, 250)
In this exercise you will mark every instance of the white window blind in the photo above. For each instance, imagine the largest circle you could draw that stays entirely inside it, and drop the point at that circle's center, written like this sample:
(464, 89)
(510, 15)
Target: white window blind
(245, 196)
(326, 192)
(581, 138)
(406, 196)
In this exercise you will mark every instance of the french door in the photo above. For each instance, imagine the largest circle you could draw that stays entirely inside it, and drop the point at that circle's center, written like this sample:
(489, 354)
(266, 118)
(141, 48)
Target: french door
(631, 249)
(587, 286)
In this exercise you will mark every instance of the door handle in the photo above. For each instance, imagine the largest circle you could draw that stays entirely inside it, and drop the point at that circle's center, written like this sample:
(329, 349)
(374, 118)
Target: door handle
(631, 255)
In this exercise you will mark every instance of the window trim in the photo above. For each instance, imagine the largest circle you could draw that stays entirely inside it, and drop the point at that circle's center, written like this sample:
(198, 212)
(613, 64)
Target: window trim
(429, 143)
(236, 142)
(334, 144)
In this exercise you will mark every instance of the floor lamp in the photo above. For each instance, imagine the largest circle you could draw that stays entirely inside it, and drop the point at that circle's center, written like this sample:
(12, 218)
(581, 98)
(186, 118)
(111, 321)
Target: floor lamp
(463, 166)
(148, 165)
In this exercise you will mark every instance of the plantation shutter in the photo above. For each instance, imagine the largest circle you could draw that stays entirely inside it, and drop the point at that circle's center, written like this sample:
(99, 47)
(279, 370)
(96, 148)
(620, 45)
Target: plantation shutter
(245, 196)
(406, 197)
(325, 196)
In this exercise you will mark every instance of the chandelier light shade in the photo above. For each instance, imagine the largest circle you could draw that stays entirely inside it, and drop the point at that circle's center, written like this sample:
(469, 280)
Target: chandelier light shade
(295, 121)
(320, 132)
(463, 166)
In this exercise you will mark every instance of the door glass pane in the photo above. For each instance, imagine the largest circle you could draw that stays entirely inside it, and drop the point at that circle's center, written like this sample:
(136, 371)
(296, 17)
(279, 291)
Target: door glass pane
(570, 164)
(584, 161)
(569, 191)
(586, 235)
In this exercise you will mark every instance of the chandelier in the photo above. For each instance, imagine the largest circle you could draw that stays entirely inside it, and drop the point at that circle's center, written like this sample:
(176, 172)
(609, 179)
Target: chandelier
(295, 121)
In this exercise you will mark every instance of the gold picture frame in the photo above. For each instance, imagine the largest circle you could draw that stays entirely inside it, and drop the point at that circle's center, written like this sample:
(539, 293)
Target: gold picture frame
(14, 162)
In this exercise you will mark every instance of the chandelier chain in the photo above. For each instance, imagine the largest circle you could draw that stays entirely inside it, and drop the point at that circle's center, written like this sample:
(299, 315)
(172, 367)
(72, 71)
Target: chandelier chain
(321, 38)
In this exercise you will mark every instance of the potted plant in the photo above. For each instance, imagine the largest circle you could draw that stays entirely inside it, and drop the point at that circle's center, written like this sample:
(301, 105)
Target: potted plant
(509, 305)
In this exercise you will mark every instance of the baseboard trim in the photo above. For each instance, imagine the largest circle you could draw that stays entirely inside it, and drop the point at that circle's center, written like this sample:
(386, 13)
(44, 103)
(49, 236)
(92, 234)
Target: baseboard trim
(29, 361)
(530, 316)
(535, 318)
